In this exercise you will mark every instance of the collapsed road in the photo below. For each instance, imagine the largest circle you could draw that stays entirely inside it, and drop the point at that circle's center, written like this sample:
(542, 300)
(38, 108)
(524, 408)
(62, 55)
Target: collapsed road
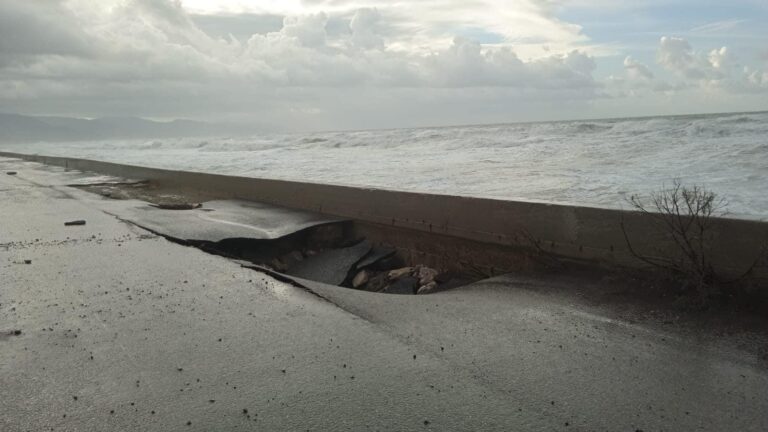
(300, 244)
(111, 326)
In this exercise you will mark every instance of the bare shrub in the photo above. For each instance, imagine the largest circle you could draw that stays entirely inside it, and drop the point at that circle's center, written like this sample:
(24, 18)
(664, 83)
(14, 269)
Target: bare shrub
(684, 215)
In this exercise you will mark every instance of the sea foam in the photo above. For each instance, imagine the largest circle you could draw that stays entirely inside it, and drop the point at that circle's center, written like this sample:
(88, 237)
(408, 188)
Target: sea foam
(592, 163)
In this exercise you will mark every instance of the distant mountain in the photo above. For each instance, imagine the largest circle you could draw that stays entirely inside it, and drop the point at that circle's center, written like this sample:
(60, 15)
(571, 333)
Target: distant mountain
(20, 128)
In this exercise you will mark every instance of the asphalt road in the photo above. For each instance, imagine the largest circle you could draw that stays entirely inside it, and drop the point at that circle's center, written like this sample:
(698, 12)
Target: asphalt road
(124, 331)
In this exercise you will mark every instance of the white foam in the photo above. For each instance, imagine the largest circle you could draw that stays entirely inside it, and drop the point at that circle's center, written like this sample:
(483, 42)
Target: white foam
(593, 163)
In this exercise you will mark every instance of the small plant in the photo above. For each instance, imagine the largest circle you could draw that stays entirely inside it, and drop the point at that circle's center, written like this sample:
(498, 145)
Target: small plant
(685, 215)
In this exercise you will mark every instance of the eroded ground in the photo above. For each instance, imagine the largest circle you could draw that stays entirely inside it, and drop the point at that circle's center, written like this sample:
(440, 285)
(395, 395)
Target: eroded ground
(121, 329)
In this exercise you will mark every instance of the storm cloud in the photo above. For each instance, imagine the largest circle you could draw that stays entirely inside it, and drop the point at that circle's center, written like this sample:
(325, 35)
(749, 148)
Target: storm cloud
(342, 64)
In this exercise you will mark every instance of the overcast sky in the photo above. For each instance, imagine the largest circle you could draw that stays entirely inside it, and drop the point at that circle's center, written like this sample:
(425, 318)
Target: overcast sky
(335, 64)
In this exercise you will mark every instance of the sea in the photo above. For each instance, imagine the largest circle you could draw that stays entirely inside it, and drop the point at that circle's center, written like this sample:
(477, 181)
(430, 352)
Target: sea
(598, 163)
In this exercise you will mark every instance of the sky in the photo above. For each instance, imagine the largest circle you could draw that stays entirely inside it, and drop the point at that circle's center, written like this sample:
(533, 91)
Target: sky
(357, 64)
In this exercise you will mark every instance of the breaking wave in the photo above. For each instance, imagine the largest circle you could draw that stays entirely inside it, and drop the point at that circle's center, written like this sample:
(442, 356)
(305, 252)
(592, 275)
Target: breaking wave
(595, 162)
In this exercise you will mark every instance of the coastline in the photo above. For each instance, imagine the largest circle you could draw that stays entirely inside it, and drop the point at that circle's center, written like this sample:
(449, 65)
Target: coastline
(585, 234)
(121, 329)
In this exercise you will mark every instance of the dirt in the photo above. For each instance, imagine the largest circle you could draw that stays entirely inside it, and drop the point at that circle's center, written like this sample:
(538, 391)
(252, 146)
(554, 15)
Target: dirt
(656, 300)
(149, 192)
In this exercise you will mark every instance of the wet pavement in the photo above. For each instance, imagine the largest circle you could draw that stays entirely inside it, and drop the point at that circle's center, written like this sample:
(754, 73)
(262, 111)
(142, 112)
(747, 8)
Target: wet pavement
(124, 330)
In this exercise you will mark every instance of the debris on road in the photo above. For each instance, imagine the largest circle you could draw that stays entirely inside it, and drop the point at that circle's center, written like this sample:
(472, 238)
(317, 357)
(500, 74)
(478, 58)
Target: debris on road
(428, 288)
(7, 333)
(404, 285)
(399, 273)
(75, 222)
(360, 279)
(425, 274)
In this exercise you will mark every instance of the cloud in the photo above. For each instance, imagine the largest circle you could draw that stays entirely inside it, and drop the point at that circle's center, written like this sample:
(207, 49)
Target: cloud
(466, 64)
(36, 28)
(308, 30)
(239, 26)
(335, 61)
(717, 69)
(365, 27)
(427, 24)
(675, 54)
(636, 70)
(158, 41)
(756, 78)
(713, 72)
(718, 26)
(720, 58)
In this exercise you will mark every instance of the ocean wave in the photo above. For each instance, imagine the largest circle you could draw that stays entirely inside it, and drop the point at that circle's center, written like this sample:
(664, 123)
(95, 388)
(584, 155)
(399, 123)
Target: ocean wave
(596, 162)
(151, 145)
(739, 120)
(707, 130)
(592, 127)
(313, 140)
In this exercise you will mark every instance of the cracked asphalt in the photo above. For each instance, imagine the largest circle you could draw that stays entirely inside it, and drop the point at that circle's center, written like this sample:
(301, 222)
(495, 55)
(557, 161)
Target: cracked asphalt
(121, 330)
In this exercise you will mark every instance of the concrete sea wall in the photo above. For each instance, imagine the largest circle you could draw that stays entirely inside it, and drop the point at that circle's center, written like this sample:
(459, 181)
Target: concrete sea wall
(572, 232)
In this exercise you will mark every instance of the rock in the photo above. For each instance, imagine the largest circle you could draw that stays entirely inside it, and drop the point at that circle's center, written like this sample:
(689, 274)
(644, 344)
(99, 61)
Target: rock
(425, 274)
(404, 285)
(75, 222)
(428, 288)
(361, 278)
(376, 283)
(27, 261)
(400, 273)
